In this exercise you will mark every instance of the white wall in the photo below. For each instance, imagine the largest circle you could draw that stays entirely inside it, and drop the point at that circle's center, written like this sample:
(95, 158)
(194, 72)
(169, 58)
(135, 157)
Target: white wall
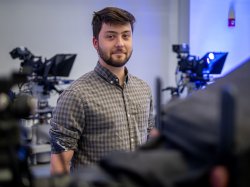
(48, 27)
(209, 29)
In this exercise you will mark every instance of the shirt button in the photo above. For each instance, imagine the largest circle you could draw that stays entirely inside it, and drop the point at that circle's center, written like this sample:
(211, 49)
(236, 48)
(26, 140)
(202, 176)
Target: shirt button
(132, 139)
(128, 115)
(111, 82)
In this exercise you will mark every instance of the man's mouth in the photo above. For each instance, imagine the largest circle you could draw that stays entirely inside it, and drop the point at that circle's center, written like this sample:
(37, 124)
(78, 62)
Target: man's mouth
(119, 52)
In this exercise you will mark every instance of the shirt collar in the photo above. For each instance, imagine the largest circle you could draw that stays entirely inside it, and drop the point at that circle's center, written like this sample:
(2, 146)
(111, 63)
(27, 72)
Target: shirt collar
(108, 75)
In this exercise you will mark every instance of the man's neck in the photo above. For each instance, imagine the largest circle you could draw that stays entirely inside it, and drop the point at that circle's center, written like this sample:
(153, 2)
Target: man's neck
(118, 71)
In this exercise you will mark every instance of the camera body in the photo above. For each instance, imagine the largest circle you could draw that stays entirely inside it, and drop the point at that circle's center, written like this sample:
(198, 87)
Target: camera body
(30, 64)
(190, 64)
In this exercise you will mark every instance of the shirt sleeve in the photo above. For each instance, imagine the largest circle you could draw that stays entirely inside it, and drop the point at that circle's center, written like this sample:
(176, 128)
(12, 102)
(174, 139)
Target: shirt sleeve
(67, 122)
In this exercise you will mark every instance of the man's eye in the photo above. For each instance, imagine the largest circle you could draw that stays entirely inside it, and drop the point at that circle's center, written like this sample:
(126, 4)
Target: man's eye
(110, 36)
(126, 36)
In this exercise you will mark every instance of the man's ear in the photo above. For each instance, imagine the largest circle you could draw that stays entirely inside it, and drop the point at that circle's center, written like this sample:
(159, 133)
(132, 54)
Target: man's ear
(95, 42)
(219, 177)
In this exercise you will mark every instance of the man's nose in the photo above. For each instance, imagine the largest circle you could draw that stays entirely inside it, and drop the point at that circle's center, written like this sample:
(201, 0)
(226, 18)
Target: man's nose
(119, 42)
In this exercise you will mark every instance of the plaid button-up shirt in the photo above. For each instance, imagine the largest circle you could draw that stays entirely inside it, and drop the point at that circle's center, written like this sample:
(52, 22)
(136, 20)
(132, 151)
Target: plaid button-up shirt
(95, 116)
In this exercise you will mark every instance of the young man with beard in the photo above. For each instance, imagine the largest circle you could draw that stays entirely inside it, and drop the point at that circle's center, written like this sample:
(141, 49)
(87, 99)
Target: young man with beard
(107, 109)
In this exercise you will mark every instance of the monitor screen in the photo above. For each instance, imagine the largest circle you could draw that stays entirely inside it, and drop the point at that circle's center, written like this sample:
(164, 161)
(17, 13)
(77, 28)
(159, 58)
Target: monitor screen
(215, 62)
(60, 65)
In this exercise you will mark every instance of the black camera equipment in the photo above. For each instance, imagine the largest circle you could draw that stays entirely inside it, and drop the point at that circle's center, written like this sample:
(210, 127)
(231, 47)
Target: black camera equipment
(58, 65)
(44, 72)
(194, 72)
(43, 77)
(14, 153)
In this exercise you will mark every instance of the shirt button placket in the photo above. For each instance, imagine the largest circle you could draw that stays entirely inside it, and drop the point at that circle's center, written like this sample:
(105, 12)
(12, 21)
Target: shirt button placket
(132, 140)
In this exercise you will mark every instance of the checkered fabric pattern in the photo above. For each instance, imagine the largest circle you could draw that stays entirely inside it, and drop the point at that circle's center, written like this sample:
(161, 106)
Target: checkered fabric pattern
(95, 116)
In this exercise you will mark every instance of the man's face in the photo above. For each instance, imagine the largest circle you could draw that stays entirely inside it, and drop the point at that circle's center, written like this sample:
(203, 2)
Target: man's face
(114, 44)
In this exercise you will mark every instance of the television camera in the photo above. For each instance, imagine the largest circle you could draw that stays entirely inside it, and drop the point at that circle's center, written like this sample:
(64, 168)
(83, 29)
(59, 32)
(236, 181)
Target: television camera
(194, 72)
(42, 74)
(42, 79)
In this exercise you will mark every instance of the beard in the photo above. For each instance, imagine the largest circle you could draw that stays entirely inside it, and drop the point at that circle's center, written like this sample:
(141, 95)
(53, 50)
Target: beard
(108, 59)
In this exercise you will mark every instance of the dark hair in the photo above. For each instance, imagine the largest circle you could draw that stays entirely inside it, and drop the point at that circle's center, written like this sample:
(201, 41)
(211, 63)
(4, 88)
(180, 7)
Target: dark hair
(111, 15)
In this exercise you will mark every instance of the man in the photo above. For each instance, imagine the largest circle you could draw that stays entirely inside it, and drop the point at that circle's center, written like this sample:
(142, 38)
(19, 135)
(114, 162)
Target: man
(107, 109)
